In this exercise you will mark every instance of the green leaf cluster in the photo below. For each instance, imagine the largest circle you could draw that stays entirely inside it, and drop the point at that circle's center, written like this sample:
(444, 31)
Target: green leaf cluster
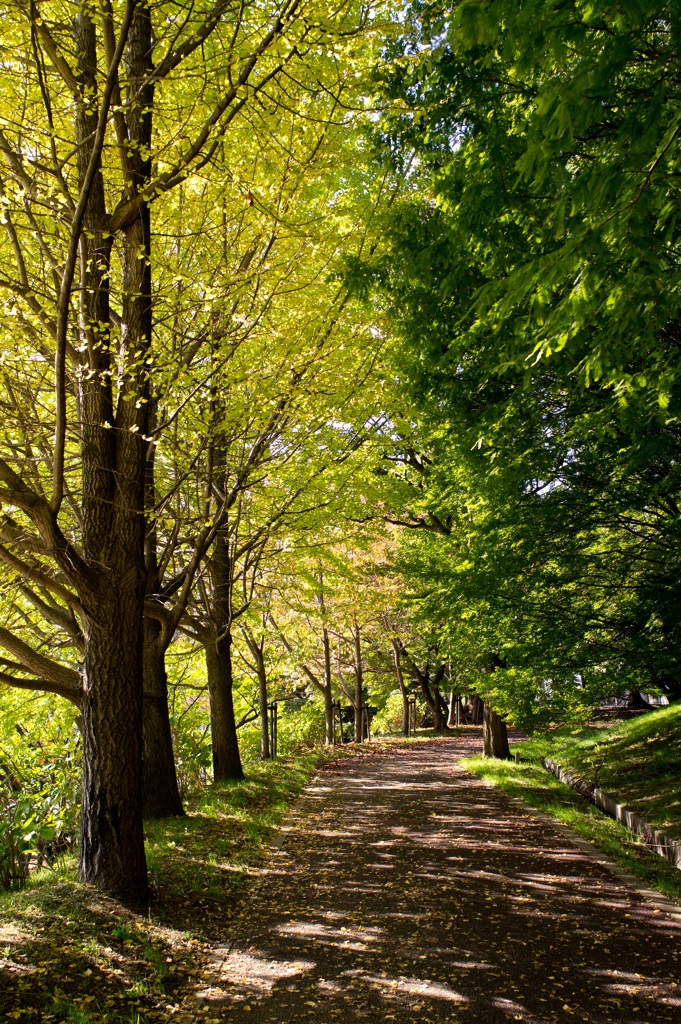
(533, 282)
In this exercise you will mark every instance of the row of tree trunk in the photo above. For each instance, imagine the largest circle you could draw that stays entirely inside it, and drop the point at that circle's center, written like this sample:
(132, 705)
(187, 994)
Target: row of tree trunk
(474, 711)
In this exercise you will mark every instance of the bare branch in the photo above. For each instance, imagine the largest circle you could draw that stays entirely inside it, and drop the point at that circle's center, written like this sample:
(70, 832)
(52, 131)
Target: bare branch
(59, 678)
(59, 62)
(18, 494)
(41, 685)
(176, 56)
(128, 209)
(64, 301)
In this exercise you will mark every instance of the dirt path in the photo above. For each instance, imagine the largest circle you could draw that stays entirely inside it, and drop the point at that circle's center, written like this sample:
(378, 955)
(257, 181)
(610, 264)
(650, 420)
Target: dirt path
(409, 891)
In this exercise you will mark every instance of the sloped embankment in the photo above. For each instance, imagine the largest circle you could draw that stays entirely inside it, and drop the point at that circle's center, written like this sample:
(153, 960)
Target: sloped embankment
(636, 763)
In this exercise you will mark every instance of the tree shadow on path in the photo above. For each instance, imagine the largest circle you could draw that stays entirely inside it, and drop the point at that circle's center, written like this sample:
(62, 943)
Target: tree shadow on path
(408, 891)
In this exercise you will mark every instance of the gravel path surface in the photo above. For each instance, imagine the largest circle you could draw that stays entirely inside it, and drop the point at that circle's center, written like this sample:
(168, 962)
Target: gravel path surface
(408, 891)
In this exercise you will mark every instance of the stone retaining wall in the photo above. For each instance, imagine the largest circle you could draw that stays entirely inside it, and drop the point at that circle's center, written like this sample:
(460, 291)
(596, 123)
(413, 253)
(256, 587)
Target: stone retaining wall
(659, 841)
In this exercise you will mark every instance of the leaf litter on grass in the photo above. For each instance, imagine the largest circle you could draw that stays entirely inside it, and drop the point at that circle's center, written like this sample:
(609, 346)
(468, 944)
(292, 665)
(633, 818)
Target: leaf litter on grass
(69, 955)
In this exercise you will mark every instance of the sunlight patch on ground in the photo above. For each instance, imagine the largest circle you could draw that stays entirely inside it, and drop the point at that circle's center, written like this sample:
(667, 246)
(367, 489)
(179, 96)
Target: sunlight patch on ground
(248, 970)
(347, 938)
(10, 935)
(361, 934)
(397, 987)
(516, 1010)
(626, 983)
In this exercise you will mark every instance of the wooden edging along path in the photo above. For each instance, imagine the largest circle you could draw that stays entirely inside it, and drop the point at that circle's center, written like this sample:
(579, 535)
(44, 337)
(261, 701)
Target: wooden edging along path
(661, 842)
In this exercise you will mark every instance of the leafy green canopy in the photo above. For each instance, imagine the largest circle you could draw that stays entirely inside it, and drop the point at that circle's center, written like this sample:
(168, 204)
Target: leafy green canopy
(550, 135)
(533, 279)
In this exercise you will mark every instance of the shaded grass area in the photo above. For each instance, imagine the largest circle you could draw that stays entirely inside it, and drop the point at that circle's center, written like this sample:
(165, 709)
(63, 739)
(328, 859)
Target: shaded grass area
(68, 954)
(637, 762)
(537, 787)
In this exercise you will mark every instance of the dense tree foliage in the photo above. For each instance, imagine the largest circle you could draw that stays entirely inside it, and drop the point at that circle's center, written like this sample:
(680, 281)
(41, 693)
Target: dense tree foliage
(339, 366)
(163, 188)
(533, 281)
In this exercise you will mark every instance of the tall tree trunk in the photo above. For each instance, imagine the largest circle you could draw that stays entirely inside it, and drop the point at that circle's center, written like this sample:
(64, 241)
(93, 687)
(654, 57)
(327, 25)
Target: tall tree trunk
(637, 702)
(494, 735)
(225, 742)
(425, 692)
(329, 721)
(113, 457)
(451, 719)
(437, 705)
(218, 634)
(358, 687)
(112, 842)
(477, 709)
(433, 699)
(259, 656)
(160, 791)
(403, 689)
(439, 709)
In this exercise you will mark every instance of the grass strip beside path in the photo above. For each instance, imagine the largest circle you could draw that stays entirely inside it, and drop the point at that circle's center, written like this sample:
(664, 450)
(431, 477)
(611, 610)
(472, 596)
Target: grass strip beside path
(533, 784)
(71, 956)
(637, 762)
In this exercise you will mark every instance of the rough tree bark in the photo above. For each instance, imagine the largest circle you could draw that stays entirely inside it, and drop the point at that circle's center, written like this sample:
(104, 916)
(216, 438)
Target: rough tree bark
(112, 845)
(218, 646)
(397, 648)
(494, 735)
(359, 686)
(225, 742)
(160, 791)
(113, 468)
(327, 692)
